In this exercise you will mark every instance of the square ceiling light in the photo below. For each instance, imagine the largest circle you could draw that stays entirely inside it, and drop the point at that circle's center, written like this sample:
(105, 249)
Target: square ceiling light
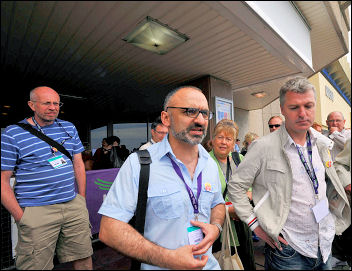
(155, 36)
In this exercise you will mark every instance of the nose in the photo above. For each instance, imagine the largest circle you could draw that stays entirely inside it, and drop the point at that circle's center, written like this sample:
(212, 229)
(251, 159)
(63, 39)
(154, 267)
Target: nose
(302, 111)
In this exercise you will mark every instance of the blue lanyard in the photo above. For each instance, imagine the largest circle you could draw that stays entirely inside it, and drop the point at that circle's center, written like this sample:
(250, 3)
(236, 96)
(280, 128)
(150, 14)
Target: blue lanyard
(194, 200)
(311, 173)
(53, 149)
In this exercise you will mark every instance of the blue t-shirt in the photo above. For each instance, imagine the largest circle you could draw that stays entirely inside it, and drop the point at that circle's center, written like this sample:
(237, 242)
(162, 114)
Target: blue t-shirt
(37, 182)
(169, 209)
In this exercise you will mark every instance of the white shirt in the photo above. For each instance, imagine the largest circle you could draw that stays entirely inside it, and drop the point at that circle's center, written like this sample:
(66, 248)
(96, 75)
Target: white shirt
(301, 230)
(147, 145)
(339, 139)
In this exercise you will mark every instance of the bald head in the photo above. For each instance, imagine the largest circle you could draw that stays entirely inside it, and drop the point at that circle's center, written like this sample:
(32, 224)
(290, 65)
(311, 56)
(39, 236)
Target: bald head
(180, 90)
(38, 92)
(45, 103)
(335, 121)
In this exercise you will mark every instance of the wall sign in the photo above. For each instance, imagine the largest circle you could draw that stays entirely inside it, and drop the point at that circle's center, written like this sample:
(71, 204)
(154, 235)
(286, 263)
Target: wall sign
(223, 109)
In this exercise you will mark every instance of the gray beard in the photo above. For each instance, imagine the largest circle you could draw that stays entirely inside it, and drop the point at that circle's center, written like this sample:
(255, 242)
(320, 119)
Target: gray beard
(185, 137)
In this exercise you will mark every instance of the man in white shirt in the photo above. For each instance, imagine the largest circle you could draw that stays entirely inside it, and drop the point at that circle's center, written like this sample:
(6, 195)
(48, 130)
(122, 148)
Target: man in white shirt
(296, 190)
(337, 132)
(159, 130)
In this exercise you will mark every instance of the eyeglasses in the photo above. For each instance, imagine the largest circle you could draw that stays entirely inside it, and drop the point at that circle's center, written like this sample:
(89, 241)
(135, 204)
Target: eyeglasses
(194, 112)
(59, 104)
(160, 133)
(274, 125)
(227, 139)
(330, 121)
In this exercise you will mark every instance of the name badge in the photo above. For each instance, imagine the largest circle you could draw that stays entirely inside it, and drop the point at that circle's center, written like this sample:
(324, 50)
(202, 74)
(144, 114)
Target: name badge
(321, 210)
(57, 161)
(195, 235)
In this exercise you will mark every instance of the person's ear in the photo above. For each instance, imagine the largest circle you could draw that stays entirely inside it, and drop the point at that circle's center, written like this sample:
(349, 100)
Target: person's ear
(165, 118)
(31, 105)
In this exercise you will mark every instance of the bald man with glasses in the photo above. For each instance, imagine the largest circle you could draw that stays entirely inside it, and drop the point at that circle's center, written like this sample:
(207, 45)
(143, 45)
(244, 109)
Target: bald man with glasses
(337, 132)
(185, 208)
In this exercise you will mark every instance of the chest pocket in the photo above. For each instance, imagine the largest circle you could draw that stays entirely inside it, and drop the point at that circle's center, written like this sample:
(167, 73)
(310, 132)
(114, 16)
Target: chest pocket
(275, 171)
(206, 200)
(167, 202)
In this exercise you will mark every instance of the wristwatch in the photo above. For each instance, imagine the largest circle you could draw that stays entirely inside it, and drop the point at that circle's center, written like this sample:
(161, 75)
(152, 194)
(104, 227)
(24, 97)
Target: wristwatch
(219, 227)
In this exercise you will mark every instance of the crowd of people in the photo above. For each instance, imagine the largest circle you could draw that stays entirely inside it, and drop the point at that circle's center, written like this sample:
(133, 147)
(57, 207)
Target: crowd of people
(290, 188)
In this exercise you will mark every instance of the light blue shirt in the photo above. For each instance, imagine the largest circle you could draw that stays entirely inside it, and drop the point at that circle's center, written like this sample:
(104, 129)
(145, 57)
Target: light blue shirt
(169, 208)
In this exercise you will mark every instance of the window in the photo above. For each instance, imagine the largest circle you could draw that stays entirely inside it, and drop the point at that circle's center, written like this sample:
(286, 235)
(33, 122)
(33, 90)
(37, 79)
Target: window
(133, 135)
(96, 136)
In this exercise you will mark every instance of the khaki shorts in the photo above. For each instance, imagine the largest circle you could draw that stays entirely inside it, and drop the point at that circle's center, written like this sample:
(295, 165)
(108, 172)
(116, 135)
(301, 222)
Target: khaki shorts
(62, 227)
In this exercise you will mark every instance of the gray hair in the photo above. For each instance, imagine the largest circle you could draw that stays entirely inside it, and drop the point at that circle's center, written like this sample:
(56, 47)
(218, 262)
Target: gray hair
(298, 85)
(274, 117)
(173, 92)
(335, 112)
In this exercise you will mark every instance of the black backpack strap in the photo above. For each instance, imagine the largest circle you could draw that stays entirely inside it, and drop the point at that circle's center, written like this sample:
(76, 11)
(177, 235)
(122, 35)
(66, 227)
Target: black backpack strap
(236, 157)
(45, 138)
(145, 161)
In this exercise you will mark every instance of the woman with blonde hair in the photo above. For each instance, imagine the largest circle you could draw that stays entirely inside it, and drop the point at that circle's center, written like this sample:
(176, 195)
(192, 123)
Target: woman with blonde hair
(223, 142)
(248, 139)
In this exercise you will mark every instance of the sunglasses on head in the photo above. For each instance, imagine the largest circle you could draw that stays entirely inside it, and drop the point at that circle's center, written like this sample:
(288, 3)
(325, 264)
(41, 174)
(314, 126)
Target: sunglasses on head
(274, 125)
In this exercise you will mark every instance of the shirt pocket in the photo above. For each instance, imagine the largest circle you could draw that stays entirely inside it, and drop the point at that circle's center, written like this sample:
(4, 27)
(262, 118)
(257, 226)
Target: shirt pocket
(166, 202)
(206, 200)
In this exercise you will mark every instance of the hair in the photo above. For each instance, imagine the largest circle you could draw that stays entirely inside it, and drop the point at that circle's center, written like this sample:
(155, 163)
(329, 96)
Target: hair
(298, 85)
(111, 139)
(173, 92)
(335, 112)
(227, 126)
(249, 138)
(156, 122)
(273, 117)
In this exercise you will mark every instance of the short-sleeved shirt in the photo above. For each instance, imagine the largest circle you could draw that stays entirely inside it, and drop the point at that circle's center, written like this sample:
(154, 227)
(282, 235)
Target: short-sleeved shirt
(38, 183)
(169, 209)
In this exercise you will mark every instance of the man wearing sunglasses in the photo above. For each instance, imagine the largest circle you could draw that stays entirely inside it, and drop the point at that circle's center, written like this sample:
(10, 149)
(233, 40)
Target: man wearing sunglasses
(274, 123)
(158, 130)
(50, 215)
(185, 208)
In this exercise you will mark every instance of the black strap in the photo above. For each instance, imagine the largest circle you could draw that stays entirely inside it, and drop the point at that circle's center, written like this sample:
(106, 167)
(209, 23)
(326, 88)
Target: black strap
(236, 157)
(145, 161)
(228, 168)
(45, 138)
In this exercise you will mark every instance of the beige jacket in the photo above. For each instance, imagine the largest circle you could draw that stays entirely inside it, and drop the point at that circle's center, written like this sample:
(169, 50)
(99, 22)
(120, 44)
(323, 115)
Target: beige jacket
(267, 169)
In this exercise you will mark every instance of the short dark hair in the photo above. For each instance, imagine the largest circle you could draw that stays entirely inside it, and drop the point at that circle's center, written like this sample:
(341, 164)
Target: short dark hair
(156, 122)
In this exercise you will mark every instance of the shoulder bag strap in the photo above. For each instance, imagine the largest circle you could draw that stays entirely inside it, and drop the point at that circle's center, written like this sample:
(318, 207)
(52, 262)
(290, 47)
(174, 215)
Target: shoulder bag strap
(236, 157)
(45, 138)
(145, 161)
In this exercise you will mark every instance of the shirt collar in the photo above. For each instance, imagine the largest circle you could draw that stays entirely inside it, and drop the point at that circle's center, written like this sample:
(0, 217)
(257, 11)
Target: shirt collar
(165, 148)
(289, 141)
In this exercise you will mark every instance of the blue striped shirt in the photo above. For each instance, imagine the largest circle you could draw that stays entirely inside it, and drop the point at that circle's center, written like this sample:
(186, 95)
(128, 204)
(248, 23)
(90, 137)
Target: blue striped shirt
(37, 182)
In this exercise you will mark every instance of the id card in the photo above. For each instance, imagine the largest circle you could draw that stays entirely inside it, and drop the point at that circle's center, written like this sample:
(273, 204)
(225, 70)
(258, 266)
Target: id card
(321, 210)
(57, 161)
(195, 235)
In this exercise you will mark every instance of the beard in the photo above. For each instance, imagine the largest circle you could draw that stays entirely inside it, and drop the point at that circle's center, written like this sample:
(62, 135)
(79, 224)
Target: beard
(184, 135)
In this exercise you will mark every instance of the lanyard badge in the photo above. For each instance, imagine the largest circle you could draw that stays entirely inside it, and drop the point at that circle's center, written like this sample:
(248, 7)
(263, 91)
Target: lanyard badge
(311, 173)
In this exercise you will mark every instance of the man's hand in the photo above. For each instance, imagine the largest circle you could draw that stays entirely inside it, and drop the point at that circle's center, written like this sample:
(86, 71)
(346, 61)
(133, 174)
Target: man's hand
(211, 233)
(232, 213)
(348, 189)
(262, 235)
(183, 259)
(333, 129)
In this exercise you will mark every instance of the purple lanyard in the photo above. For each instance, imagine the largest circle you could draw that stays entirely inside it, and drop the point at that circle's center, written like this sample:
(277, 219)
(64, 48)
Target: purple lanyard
(193, 199)
(311, 173)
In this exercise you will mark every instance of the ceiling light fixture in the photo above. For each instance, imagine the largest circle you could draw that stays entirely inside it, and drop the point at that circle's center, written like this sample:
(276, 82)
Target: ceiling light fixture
(152, 35)
(260, 94)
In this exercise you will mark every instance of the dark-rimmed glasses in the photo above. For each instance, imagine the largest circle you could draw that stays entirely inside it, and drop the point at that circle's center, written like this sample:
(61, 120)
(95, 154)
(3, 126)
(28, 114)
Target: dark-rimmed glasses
(194, 112)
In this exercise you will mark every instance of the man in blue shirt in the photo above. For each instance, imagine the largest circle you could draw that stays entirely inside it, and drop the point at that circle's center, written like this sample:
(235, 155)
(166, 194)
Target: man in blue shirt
(181, 170)
(50, 216)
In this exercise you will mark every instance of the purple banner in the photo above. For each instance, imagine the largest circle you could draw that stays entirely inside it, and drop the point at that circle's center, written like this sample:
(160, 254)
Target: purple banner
(98, 185)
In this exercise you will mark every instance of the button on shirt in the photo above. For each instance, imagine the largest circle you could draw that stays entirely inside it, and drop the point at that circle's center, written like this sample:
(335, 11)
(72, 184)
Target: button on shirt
(169, 209)
(301, 230)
